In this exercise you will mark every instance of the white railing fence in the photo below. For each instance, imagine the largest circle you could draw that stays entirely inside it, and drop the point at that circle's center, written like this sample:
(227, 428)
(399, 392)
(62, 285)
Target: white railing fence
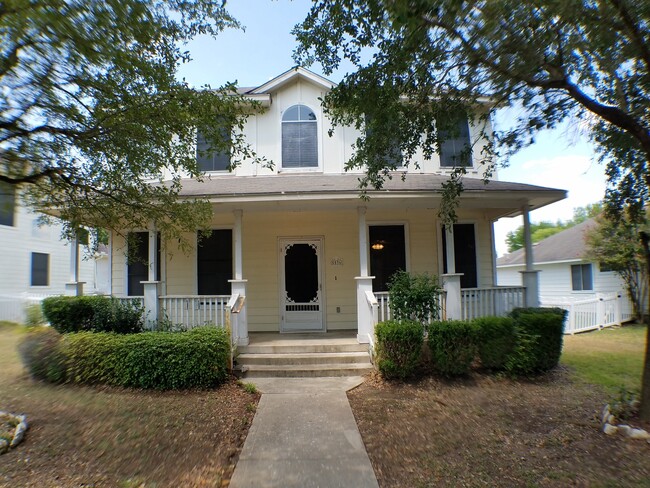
(188, 311)
(495, 301)
(384, 312)
(13, 308)
(604, 310)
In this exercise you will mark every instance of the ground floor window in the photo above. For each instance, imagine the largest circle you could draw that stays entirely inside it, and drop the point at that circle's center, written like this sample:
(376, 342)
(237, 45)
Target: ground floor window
(138, 262)
(40, 269)
(581, 277)
(387, 253)
(464, 252)
(214, 263)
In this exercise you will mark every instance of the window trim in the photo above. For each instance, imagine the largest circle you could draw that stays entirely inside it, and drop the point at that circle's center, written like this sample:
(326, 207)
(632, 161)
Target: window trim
(14, 206)
(319, 141)
(31, 270)
(231, 228)
(225, 171)
(161, 271)
(477, 243)
(407, 242)
(582, 289)
(471, 164)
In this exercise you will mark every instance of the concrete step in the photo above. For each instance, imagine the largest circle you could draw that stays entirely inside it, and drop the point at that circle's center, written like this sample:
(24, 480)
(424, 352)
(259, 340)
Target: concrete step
(299, 347)
(303, 358)
(307, 370)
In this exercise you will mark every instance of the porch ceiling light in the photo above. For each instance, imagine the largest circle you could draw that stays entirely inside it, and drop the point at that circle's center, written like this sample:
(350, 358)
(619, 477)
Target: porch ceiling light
(377, 246)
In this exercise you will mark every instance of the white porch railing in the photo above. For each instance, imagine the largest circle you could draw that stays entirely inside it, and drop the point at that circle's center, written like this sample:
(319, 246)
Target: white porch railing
(190, 311)
(494, 301)
(384, 312)
(135, 300)
(592, 313)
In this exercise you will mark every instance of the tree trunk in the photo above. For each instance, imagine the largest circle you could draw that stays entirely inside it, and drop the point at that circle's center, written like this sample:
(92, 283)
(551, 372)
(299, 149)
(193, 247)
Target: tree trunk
(644, 411)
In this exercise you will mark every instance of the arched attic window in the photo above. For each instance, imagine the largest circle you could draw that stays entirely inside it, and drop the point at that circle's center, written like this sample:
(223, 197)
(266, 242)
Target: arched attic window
(299, 138)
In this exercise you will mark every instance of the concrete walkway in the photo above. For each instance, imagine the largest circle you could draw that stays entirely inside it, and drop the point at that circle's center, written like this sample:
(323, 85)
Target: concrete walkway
(304, 435)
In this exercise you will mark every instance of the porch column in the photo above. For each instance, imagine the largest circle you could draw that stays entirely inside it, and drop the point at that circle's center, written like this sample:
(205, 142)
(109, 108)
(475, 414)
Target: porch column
(529, 277)
(238, 285)
(74, 287)
(451, 279)
(365, 322)
(151, 285)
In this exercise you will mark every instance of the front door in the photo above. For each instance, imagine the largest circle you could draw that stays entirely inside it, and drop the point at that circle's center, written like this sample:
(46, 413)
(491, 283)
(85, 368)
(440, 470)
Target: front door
(301, 297)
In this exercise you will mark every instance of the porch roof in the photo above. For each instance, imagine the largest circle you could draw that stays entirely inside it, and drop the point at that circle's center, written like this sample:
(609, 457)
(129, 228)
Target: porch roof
(510, 197)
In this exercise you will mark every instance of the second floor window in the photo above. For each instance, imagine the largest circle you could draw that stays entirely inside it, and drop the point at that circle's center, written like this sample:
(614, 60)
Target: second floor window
(455, 149)
(299, 138)
(7, 204)
(209, 158)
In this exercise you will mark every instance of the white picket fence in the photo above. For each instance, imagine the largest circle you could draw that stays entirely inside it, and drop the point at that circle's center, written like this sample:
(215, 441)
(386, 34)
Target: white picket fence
(605, 310)
(13, 308)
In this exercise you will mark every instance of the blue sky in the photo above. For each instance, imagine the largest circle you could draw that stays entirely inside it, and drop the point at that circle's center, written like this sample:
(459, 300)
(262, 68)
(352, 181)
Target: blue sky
(561, 158)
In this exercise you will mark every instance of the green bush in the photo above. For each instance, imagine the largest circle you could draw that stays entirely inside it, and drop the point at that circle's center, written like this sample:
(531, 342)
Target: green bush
(496, 340)
(453, 346)
(92, 313)
(539, 341)
(42, 354)
(161, 360)
(414, 296)
(399, 347)
(516, 312)
(34, 315)
(113, 315)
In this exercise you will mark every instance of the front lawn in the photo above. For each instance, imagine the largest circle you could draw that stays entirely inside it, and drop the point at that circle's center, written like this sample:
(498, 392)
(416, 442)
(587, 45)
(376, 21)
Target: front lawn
(612, 358)
(82, 436)
(492, 431)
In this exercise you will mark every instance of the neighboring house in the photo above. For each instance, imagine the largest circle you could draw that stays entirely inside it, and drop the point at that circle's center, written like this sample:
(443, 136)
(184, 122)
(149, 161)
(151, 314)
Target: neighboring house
(34, 261)
(297, 250)
(566, 274)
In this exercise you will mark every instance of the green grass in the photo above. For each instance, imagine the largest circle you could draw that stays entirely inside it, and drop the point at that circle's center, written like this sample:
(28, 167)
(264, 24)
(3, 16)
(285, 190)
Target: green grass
(611, 358)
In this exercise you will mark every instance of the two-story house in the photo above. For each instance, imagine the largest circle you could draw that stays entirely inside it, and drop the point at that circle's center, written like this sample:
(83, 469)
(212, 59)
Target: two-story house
(35, 261)
(301, 246)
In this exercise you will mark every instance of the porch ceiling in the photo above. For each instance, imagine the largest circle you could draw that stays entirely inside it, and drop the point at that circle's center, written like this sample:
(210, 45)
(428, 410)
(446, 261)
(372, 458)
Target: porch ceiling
(318, 191)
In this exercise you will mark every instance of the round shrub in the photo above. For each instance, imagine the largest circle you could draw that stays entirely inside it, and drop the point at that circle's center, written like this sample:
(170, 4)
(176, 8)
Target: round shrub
(496, 340)
(42, 354)
(198, 358)
(453, 346)
(399, 347)
(539, 341)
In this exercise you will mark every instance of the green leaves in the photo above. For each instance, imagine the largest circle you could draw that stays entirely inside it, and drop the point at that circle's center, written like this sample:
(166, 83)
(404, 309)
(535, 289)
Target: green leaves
(91, 111)
(550, 60)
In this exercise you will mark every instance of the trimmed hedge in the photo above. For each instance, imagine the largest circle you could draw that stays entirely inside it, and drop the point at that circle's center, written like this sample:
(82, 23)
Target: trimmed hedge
(399, 347)
(42, 354)
(539, 340)
(161, 360)
(496, 340)
(453, 346)
(92, 313)
(198, 358)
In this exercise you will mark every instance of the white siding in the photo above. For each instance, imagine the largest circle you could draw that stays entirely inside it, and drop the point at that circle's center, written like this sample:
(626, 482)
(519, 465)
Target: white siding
(17, 244)
(555, 280)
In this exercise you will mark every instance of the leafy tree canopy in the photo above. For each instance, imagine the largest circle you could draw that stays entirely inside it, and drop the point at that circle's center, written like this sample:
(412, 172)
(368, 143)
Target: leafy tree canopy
(420, 61)
(542, 230)
(90, 107)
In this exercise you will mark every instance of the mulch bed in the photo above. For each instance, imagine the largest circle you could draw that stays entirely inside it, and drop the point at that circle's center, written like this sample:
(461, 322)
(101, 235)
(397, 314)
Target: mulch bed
(487, 431)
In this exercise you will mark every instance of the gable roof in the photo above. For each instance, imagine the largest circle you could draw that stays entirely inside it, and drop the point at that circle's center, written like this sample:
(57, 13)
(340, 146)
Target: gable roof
(568, 245)
(297, 72)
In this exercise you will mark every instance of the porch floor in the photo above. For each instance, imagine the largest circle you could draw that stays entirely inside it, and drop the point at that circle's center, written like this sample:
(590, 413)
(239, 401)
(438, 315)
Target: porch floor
(308, 338)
